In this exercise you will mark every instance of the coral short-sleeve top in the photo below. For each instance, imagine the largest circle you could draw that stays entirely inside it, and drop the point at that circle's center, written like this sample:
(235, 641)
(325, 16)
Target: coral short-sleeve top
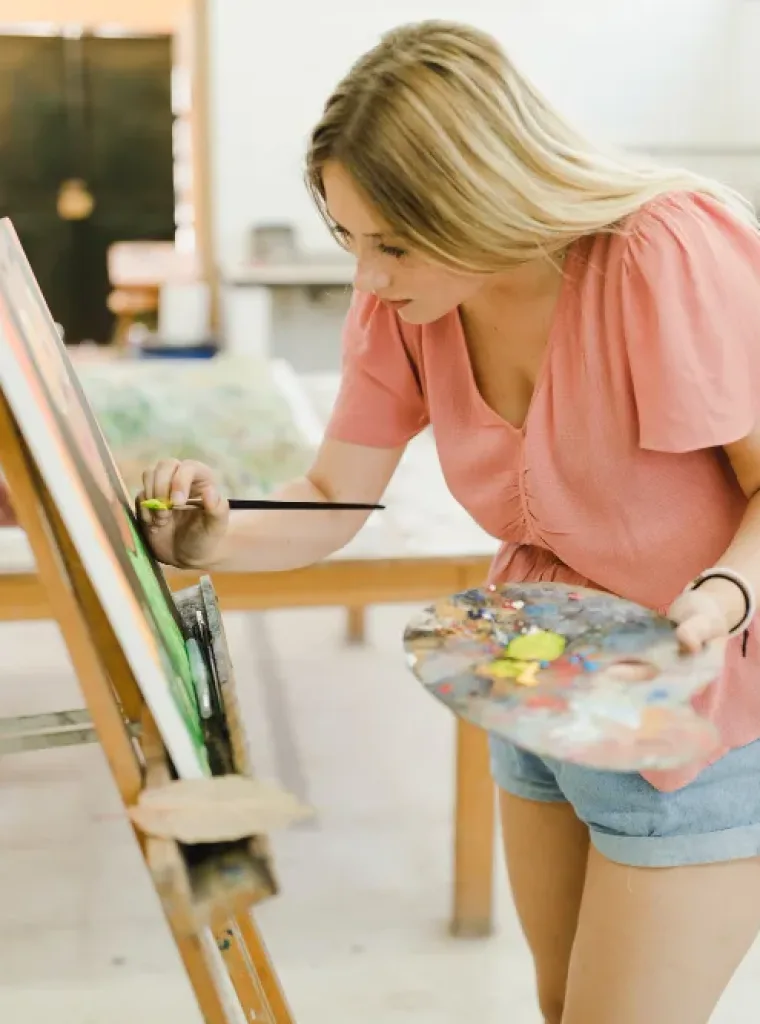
(617, 478)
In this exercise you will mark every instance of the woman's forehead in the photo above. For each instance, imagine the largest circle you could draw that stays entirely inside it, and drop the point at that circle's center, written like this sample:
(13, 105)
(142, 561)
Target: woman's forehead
(347, 206)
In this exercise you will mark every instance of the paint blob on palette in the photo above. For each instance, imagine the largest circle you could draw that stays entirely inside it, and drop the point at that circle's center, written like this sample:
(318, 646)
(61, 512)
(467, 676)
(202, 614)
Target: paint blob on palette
(567, 672)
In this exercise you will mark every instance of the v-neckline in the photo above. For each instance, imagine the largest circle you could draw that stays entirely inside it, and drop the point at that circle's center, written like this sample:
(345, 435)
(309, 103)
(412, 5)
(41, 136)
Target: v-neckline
(556, 323)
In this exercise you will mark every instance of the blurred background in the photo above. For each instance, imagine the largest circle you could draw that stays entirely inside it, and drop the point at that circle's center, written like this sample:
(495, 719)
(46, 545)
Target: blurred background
(151, 160)
(149, 147)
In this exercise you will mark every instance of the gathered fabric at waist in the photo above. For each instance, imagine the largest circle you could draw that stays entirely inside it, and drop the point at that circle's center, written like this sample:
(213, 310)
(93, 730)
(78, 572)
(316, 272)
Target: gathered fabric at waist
(528, 563)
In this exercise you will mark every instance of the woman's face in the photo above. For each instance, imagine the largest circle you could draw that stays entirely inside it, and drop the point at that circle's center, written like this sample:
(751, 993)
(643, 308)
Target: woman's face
(420, 291)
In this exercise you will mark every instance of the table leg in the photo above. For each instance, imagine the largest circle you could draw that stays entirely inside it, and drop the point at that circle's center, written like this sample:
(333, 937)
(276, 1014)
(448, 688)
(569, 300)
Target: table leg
(356, 623)
(475, 825)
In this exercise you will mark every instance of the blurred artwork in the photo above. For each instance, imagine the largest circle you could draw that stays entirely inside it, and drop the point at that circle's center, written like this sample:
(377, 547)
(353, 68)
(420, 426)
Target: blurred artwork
(229, 412)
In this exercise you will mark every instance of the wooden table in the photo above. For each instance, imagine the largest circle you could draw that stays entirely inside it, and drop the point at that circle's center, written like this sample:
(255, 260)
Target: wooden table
(424, 546)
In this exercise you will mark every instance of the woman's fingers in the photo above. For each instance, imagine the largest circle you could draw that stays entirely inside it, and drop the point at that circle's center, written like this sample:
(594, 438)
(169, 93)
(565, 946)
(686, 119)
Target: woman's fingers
(189, 479)
(174, 482)
(143, 514)
(157, 483)
(697, 631)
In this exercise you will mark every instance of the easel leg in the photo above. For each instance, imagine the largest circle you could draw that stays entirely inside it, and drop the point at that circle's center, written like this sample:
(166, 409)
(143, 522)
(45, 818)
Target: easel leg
(474, 835)
(247, 988)
(201, 975)
(269, 981)
(356, 624)
(250, 971)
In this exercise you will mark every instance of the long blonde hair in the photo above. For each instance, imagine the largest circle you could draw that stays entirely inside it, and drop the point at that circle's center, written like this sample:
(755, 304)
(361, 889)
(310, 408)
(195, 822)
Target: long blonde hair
(466, 161)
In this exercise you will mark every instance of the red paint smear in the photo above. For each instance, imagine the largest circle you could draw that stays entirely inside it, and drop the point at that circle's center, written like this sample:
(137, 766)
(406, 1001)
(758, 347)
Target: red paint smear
(545, 704)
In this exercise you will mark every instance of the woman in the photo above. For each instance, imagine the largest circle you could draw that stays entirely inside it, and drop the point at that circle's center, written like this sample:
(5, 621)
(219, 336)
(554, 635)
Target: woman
(583, 334)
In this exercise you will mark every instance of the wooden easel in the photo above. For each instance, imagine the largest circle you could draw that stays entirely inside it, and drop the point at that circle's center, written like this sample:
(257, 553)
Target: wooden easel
(206, 891)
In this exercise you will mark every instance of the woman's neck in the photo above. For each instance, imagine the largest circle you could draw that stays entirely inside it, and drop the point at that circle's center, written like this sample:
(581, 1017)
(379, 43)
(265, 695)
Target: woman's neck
(534, 282)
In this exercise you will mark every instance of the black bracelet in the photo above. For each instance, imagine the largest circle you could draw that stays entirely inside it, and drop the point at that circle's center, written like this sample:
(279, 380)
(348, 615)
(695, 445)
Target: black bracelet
(742, 626)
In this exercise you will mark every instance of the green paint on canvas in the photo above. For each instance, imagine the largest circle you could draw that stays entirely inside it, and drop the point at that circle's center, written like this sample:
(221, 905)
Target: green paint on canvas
(179, 670)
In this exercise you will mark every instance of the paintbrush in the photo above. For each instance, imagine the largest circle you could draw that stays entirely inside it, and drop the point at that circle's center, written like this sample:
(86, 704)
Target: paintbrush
(248, 504)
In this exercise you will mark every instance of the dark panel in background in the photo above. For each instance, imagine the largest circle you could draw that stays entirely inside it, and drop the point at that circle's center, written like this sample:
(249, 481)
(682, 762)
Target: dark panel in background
(97, 110)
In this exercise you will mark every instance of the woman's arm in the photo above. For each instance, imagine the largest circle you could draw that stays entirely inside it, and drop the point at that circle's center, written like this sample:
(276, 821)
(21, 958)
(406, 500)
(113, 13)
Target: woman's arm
(743, 553)
(718, 605)
(273, 541)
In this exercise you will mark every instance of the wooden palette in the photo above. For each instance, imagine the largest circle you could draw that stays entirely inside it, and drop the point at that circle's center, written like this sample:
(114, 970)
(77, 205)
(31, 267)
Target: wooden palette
(568, 673)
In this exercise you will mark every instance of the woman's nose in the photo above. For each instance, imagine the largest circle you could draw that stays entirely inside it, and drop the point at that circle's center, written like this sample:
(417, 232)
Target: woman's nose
(369, 279)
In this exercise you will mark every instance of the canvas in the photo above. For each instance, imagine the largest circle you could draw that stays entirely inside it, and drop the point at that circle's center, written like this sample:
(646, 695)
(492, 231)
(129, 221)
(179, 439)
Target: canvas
(81, 476)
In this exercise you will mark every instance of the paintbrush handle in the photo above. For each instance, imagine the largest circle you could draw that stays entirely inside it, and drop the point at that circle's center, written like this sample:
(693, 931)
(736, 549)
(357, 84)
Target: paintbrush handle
(249, 504)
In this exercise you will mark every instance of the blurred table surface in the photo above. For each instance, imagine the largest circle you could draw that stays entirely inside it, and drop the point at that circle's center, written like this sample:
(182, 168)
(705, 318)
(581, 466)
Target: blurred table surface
(304, 273)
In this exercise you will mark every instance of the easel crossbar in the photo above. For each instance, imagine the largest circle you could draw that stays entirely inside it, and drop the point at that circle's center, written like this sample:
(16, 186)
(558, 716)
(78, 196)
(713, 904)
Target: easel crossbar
(54, 729)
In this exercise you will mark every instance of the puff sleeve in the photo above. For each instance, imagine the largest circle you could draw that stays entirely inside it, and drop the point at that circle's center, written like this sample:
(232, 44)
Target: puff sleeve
(690, 304)
(380, 402)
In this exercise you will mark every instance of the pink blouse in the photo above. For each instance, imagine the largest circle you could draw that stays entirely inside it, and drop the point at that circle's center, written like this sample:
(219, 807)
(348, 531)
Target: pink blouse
(617, 478)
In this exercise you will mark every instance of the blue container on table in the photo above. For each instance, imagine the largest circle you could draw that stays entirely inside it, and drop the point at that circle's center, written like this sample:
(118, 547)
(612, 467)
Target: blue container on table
(207, 350)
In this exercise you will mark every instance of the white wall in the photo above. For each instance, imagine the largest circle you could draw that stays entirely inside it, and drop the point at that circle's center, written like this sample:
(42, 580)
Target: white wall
(138, 15)
(680, 73)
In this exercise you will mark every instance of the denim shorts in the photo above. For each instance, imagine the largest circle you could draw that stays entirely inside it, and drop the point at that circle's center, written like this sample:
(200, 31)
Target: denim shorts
(714, 818)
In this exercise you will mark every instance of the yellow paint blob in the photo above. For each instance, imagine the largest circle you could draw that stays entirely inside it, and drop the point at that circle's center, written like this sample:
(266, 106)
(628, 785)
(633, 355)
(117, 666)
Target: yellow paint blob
(528, 675)
(523, 672)
(543, 645)
(523, 656)
(501, 669)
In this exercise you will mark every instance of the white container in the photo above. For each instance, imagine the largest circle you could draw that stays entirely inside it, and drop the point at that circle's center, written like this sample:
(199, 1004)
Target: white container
(184, 313)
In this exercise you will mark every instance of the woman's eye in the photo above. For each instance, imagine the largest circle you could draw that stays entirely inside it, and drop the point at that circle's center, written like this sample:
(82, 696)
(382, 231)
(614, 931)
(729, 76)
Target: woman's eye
(391, 250)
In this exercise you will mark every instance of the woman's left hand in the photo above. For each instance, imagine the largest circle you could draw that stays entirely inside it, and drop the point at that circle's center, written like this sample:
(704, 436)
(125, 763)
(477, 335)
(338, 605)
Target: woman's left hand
(701, 617)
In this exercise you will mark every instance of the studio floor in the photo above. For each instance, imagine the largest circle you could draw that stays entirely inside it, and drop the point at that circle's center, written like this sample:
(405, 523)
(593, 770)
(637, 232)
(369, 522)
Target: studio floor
(360, 931)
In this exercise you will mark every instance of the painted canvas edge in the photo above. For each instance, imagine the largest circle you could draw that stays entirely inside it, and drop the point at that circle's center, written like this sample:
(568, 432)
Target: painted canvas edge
(128, 631)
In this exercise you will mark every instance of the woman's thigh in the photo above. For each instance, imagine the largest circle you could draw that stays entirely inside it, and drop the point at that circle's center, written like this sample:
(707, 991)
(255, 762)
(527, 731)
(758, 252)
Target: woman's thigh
(546, 849)
(659, 945)
(672, 888)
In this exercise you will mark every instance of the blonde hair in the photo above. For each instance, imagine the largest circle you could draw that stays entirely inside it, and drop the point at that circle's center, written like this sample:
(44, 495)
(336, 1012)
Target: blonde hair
(466, 161)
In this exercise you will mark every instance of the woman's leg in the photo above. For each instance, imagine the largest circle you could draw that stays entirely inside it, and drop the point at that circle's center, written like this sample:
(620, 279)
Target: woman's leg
(659, 945)
(546, 850)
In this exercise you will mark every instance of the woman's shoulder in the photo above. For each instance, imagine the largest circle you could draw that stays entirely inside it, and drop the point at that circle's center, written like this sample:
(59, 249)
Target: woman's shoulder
(376, 332)
(689, 225)
(673, 208)
(683, 289)
(676, 242)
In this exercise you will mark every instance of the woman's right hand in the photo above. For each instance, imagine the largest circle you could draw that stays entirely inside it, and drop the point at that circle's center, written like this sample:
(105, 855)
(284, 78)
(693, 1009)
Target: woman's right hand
(190, 539)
